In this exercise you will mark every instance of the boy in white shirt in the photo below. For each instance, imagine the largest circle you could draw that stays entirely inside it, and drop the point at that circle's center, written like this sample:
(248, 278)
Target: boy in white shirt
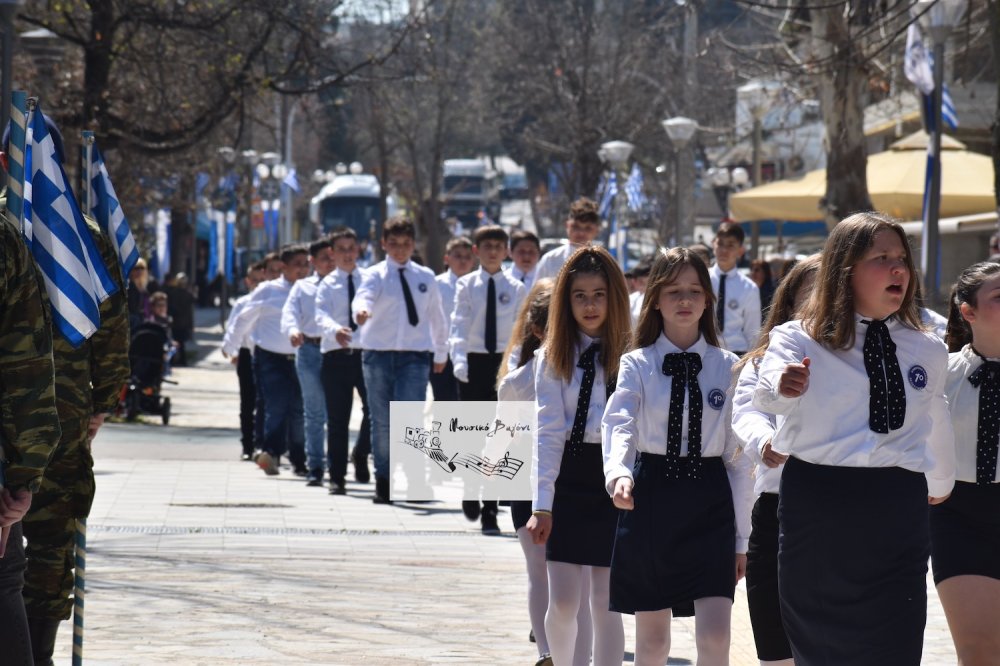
(459, 259)
(244, 365)
(582, 227)
(737, 307)
(525, 250)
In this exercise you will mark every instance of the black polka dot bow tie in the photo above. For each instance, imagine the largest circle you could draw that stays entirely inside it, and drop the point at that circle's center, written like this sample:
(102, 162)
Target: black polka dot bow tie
(887, 397)
(587, 363)
(987, 379)
(683, 368)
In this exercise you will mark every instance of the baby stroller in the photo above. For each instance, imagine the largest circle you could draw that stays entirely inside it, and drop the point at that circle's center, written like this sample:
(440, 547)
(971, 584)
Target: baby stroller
(147, 355)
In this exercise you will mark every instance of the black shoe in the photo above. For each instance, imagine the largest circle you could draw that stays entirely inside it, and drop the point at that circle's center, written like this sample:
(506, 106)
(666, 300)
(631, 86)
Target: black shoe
(471, 509)
(314, 480)
(246, 457)
(531, 635)
(489, 521)
(361, 474)
(337, 489)
(300, 470)
(381, 491)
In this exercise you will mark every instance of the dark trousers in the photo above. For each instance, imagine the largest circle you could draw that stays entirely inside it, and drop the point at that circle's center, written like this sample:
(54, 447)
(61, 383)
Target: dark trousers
(248, 399)
(258, 408)
(341, 375)
(444, 386)
(283, 419)
(482, 385)
(13, 621)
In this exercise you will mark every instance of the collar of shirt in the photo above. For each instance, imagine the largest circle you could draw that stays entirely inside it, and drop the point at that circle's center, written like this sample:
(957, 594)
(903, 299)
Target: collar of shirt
(341, 274)
(716, 271)
(485, 276)
(389, 263)
(664, 346)
(860, 323)
(584, 341)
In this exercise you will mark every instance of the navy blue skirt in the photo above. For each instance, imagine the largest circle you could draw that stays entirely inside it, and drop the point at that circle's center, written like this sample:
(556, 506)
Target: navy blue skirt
(679, 542)
(520, 512)
(583, 515)
(965, 533)
(762, 581)
(852, 564)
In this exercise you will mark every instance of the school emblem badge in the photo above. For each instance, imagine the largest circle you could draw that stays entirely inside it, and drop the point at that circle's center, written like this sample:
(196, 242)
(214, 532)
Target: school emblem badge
(504, 298)
(733, 304)
(716, 399)
(422, 288)
(918, 377)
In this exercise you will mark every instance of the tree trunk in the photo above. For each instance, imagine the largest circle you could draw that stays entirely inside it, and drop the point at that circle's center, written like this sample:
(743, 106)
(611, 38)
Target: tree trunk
(842, 92)
(994, 12)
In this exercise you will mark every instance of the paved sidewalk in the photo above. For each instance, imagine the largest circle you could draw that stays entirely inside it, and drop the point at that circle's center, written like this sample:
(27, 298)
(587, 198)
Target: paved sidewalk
(197, 558)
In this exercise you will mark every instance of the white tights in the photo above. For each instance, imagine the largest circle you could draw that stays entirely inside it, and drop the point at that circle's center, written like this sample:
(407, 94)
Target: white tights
(566, 595)
(712, 617)
(779, 662)
(538, 602)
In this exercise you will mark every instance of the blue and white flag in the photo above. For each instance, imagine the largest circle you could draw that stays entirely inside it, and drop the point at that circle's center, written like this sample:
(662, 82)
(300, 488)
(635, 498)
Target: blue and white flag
(608, 195)
(109, 214)
(948, 115)
(633, 189)
(919, 69)
(71, 265)
(291, 181)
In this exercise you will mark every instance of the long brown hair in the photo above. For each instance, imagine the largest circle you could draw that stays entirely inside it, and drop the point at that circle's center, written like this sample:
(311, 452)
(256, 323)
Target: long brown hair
(562, 338)
(782, 306)
(534, 313)
(829, 315)
(966, 290)
(665, 270)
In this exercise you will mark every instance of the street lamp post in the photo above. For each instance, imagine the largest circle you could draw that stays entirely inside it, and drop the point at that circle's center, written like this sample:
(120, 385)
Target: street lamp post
(681, 130)
(757, 98)
(937, 17)
(616, 155)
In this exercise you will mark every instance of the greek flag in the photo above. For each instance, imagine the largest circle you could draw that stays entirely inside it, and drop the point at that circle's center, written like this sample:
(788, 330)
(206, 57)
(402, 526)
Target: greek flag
(919, 69)
(291, 181)
(109, 214)
(71, 266)
(608, 195)
(633, 189)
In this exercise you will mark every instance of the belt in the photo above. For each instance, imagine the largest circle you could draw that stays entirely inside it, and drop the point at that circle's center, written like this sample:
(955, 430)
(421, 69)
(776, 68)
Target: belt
(346, 351)
(312, 341)
(288, 357)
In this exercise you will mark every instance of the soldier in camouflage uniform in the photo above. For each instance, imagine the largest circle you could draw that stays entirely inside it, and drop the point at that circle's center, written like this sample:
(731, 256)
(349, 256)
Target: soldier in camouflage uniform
(88, 381)
(29, 423)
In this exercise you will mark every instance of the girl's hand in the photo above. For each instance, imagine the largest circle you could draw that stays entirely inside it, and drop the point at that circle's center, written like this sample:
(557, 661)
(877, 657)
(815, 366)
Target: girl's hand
(741, 566)
(771, 458)
(540, 527)
(623, 494)
(795, 379)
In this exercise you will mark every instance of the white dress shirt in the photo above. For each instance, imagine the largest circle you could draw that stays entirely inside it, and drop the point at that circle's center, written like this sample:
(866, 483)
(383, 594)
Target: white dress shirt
(299, 313)
(228, 342)
(556, 403)
(635, 301)
(742, 306)
(261, 318)
(468, 321)
(828, 424)
(963, 401)
(527, 279)
(937, 324)
(636, 420)
(389, 328)
(755, 429)
(552, 261)
(446, 285)
(333, 308)
(518, 384)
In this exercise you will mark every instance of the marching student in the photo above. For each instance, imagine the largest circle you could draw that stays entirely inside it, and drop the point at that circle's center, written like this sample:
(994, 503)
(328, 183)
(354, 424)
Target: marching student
(244, 364)
(582, 227)
(679, 476)
(755, 430)
(341, 369)
(274, 363)
(486, 304)
(737, 298)
(852, 507)
(407, 335)
(525, 250)
(518, 384)
(298, 323)
(459, 259)
(573, 516)
(965, 530)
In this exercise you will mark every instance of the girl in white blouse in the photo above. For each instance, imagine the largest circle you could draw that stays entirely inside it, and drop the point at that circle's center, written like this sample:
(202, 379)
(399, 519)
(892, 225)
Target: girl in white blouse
(672, 463)
(965, 530)
(573, 516)
(858, 387)
(755, 430)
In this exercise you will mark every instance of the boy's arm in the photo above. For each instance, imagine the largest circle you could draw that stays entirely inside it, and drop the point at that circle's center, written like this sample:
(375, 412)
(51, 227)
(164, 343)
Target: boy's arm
(751, 317)
(366, 295)
(243, 323)
(459, 337)
(439, 327)
(290, 313)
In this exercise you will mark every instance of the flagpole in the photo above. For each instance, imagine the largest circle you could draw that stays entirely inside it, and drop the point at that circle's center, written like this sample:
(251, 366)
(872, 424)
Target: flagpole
(931, 245)
(88, 169)
(15, 155)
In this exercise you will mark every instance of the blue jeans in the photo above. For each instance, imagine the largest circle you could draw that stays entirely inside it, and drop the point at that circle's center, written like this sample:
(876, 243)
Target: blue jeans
(283, 420)
(308, 367)
(391, 375)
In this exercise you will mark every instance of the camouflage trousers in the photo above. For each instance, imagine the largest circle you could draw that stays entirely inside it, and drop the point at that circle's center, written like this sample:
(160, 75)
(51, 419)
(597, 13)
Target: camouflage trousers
(66, 494)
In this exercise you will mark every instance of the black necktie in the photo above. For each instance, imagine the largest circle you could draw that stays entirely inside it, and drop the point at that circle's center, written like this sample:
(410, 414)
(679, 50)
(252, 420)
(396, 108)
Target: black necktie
(720, 306)
(887, 398)
(350, 299)
(586, 387)
(987, 379)
(683, 367)
(411, 309)
(490, 337)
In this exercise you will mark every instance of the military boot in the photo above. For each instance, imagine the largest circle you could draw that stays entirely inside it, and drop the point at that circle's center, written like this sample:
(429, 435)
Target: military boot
(43, 639)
